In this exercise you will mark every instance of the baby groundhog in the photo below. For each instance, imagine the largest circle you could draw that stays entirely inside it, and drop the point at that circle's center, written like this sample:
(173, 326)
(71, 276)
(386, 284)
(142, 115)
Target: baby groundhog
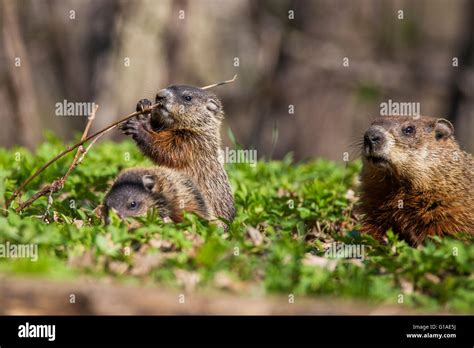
(183, 134)
(137, 190)
(415, 179)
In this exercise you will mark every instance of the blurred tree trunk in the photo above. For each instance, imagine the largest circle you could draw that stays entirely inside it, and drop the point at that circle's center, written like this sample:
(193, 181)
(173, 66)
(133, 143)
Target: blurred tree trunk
(19, 80)
(457, 95)
(137, 64)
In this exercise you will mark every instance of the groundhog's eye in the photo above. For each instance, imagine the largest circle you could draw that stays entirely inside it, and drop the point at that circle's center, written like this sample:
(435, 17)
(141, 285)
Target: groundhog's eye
(132, 205)
(409, 130)
(188, 98)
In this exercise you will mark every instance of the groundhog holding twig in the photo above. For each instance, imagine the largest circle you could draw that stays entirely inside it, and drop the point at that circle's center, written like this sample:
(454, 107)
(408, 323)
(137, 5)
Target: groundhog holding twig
(136, 190)
(415, 179)
(183, 133)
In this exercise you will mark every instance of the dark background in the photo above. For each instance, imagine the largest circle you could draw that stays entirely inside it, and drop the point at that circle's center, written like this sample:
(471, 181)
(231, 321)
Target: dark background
(281, 62)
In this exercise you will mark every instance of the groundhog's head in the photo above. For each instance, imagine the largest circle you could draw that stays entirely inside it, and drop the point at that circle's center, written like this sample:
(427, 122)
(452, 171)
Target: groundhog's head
(185, 107)
(408, 146)
(131, 194)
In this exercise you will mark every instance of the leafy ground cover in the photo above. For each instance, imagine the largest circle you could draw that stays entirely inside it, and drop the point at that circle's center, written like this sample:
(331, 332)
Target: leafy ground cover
(288, 214)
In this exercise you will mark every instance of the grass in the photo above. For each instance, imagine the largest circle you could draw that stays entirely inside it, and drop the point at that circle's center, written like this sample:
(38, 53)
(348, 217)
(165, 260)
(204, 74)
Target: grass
(287, 215)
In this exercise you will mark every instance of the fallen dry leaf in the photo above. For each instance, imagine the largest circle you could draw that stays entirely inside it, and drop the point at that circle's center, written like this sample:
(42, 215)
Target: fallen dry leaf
(187, 279)
(118, 267)
(406, 286)
(99, 211)
(144, 263)
(323, 262)
(85, 260)
(255, 236)
(432, 278)
(223, 280)
(78, 223)
(163, 245)
(196, 239)
(351, 196)
(133, 224)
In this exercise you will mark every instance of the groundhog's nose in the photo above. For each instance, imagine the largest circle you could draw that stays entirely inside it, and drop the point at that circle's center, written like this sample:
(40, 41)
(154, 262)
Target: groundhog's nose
(162, 95)
(373, 138)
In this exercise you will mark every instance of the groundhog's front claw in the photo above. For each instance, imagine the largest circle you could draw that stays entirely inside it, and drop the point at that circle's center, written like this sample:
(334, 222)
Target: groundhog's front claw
(143, 104)
(136, 127)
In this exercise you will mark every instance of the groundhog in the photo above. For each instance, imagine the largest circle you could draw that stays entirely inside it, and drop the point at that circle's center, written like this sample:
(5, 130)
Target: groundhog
(183, 134)
(136, 190)
(415, 179)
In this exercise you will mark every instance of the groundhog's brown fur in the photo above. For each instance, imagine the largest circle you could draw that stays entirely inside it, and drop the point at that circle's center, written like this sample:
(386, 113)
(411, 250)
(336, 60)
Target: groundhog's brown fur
(415, 179)
(183, 134)
(136, 190)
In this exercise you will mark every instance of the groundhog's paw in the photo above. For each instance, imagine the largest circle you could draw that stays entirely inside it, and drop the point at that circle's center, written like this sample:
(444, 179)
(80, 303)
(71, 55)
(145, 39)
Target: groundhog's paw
(137, 127)
(143, 104)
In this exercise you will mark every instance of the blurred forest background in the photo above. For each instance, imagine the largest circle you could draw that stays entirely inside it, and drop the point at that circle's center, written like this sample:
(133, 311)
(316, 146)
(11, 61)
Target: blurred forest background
(281, 62)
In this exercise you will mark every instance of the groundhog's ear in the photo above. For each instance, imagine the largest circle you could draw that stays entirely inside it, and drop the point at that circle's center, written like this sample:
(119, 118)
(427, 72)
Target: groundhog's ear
(148, 182)
(443, 129)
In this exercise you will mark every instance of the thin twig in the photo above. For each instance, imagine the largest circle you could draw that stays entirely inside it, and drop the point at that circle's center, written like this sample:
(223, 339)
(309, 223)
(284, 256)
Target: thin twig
(69, 149)
(220, 83)
(80, 150)
(92, 144)
(58, 184)
(50, 203)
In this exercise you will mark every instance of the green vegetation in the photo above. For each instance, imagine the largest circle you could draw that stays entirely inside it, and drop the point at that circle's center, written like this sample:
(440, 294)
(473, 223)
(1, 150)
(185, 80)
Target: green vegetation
(287, 215)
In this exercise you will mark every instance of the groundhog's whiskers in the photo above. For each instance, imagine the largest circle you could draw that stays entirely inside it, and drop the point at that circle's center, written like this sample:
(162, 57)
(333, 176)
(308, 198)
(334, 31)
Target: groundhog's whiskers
(355, 146)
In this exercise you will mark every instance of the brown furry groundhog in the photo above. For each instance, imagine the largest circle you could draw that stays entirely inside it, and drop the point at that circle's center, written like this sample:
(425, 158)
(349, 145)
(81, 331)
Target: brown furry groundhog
(136, 190)
(415, 179)
(183, 134)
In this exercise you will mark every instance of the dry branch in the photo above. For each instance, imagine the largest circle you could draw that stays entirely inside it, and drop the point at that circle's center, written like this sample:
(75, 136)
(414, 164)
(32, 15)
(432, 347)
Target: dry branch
(69, 149)
(220, 83)
(58, 184)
